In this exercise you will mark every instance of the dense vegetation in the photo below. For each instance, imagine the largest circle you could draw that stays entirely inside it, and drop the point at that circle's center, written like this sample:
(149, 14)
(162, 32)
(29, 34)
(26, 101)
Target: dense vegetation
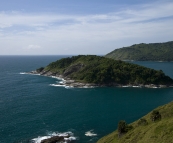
(101, 70)
(145, 130)
(144, 52)
(123, 128)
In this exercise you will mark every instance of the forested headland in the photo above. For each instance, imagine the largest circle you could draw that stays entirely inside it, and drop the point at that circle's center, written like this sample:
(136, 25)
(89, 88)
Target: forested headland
(144, 52)
(104, 71)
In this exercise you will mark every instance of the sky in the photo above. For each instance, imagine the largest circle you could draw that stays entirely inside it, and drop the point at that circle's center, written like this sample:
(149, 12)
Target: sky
(72, 27)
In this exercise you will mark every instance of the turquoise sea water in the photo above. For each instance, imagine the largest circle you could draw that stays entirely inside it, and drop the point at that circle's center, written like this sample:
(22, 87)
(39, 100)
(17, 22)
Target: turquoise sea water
(30, 107)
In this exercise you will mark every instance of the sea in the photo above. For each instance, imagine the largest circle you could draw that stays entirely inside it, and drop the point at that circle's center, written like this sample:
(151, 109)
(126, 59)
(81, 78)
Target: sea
(31, 109)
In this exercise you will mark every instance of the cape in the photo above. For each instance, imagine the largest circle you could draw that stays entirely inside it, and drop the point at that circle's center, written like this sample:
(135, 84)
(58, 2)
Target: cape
(94, 70)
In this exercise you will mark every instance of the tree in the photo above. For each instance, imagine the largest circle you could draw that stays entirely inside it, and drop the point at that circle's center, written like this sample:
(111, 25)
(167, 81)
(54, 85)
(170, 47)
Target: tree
(40, 69)
(122, 127)
(142, 121)
(155, 115)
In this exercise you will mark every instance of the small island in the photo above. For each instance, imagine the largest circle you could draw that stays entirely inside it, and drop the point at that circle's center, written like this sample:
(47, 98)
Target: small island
(96, 71)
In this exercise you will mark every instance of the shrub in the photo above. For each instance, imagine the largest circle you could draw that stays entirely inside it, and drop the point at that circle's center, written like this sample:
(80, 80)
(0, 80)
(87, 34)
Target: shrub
(155, 115)
(40, 69)
(142, 121)
(123, 128)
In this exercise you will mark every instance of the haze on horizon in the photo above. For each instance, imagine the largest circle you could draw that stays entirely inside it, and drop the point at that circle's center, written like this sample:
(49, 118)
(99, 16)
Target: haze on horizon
(71, 27)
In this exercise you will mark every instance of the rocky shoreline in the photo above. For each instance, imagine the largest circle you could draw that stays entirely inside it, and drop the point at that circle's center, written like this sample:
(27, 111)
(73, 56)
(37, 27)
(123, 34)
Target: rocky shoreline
(70, 83)
(66, 137)
(55, 139)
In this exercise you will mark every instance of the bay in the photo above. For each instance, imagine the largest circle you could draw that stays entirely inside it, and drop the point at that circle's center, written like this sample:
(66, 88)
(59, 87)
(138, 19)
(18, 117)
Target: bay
(30, 107)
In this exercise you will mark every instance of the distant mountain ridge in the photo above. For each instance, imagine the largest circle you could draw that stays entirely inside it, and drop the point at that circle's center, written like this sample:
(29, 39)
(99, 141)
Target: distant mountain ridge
(144, 52)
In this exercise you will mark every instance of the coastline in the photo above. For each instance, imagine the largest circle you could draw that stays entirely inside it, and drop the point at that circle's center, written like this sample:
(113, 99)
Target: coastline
(70, 83)
(145, 61)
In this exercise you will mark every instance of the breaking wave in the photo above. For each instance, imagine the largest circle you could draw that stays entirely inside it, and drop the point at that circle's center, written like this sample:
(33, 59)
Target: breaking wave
(28, 73)
(58, 85)
(59, 78)
(68, 137)
(90, 133)
(22, 73)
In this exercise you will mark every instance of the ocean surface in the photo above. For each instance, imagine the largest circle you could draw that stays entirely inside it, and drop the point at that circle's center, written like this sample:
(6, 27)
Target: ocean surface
(31, 108)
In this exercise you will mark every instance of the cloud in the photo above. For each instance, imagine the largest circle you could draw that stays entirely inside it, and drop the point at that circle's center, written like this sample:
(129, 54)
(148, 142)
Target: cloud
(127, 14)
(87, 34)
(31, 47)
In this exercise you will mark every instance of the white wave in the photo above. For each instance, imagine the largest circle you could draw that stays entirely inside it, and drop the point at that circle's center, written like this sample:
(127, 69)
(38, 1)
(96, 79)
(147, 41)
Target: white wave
(56, 77)
(68, 87)
(136, 86)
(88, 87)
(155, 87)
(59, 78)
(61, 82)
(39, 139)
(22, 73)
(70, 139)
(125, 86)
(90, 133)
(65, 135)
(28, 73)
(57, 85)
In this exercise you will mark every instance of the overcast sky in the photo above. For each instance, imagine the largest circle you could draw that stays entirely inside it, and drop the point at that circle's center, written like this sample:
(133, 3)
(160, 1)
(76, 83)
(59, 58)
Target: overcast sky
(71, 27)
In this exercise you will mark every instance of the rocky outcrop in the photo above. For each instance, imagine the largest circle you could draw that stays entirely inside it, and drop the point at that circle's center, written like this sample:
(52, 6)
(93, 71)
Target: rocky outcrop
(65, 138)
(54, 139)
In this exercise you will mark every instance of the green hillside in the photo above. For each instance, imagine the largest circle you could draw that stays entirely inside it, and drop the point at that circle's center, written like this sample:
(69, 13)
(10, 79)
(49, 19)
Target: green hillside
(160, 131)
(104, 71)
(144, 52)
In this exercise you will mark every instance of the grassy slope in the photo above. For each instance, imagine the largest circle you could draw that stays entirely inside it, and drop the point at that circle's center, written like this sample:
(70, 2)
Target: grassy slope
(154, 132)
(144, 52)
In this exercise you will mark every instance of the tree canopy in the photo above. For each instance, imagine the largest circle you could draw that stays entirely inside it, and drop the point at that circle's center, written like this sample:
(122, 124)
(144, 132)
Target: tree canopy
(144, 52)
(101, 70)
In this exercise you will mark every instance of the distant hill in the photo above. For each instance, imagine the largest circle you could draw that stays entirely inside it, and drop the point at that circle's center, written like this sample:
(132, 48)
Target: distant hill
(144, 52)
(146, 131)
(104, 71)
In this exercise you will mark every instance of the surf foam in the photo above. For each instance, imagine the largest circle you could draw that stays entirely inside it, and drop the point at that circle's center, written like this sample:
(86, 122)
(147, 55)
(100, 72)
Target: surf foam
(90, 133)
(57, 85)
(28, 73)
(22, 73)
(69, 87)
(59, 78)
(65, 134)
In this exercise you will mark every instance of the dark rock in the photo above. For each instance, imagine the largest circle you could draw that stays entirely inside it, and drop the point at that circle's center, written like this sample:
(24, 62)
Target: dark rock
(54, 139)
(40, 69)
